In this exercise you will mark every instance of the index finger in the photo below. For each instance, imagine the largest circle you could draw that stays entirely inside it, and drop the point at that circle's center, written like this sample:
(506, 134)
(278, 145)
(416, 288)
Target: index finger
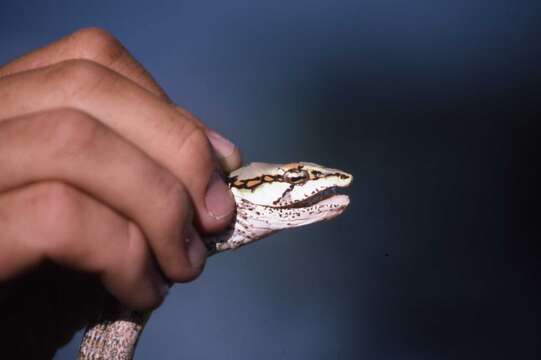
(99, 46)
(91, 44)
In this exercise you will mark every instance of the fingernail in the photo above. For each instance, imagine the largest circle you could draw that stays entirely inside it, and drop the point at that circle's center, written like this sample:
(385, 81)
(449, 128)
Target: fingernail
(197, 252)
(219, 200)
(223, 147)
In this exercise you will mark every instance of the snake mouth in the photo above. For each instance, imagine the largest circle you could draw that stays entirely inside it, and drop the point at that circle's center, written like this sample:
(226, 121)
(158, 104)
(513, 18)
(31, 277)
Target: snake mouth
(318, 198)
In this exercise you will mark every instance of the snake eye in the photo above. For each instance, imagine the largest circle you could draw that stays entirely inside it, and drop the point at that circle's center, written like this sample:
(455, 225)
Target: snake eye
(295, 176)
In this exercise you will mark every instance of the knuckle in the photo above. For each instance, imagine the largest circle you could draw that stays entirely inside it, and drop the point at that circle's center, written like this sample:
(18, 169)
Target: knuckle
(183, 274)
(136, 248)
(193, 144)
(96, 43)
(175, 205)
(175, 273)
(136, 259)
(177, 214)
(191, 274)
(183, 270)
(132, 272)
(196, 141)
(72, 132)
(57, 207)
(76, 77)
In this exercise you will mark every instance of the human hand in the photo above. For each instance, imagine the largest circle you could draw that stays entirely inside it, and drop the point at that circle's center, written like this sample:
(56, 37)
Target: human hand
(102, 174)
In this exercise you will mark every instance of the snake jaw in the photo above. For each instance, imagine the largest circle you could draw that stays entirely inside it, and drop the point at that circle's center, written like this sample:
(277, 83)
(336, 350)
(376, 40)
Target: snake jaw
(319, 197)
(326, 208)
(267, 202)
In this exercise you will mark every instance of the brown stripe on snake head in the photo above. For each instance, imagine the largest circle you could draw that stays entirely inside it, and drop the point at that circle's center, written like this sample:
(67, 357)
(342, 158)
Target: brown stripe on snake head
(253, 183)
(315, 174)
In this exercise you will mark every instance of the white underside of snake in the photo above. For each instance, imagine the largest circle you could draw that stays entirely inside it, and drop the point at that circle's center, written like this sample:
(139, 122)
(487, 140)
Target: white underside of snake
(269, 198)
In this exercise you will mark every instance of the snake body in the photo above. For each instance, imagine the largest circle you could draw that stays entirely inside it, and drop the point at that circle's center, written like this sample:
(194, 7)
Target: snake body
(269, 198)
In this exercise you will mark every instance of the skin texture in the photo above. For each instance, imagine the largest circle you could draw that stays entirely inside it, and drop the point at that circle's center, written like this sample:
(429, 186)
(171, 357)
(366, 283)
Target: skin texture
(83, 128)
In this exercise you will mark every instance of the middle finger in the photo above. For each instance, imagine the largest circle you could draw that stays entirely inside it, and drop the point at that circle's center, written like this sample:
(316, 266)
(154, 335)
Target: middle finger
(69, 146)
(152, 124)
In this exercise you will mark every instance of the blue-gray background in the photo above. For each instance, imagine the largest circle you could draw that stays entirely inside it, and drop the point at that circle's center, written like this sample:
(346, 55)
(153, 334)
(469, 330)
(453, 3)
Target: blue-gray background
(430, 104)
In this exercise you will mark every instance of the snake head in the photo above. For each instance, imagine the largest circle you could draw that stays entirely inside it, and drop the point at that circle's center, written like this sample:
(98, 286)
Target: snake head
(293, 188)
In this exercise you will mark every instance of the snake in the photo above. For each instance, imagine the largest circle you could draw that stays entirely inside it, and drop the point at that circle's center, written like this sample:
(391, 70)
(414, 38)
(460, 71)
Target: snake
(269, 198)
